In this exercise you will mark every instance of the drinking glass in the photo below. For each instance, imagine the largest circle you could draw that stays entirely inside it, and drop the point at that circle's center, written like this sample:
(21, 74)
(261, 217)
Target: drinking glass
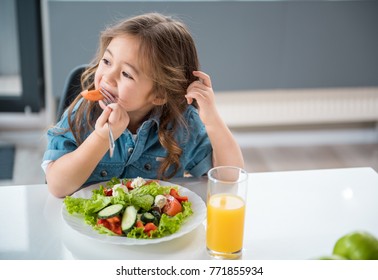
(226, 200)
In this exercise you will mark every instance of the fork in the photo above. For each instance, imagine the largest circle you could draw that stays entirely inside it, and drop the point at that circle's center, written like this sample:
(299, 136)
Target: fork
(108, 98)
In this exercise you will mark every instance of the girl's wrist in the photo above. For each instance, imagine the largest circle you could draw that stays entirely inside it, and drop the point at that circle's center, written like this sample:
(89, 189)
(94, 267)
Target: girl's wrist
(216, 123)
(100, 138)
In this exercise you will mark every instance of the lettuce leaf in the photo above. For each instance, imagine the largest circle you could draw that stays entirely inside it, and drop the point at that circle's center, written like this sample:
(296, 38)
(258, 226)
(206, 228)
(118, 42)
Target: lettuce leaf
(137, 233)
(122, 197)
(87, 207)
(143, 201)
(103, 230)
(152, 188)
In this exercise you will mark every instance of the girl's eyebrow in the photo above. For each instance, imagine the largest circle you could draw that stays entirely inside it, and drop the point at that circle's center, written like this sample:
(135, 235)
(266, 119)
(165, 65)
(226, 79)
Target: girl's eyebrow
(128, 64)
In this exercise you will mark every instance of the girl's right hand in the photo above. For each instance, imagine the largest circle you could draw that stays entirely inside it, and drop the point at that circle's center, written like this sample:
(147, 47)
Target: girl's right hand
(116, 116)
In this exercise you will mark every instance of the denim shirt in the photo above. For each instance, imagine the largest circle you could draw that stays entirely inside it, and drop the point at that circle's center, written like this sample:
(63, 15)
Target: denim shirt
(141, 155)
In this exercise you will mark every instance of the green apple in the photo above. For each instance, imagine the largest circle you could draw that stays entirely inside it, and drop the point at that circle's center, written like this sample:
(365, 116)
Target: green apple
(332, 257)
(358, 245)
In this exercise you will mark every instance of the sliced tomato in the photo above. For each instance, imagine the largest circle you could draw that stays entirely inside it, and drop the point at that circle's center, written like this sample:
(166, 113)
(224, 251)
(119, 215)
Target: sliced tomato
(108, 192)
(172, 207)
(103, 222)
(139, 224)
(149, 227)
(114, 220)
(113, 224)
(117, 230)
(175, 194)
(128, 184)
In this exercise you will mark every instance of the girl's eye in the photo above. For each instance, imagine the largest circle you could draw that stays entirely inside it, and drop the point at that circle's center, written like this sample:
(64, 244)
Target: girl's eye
(105, 61)
(126, 75)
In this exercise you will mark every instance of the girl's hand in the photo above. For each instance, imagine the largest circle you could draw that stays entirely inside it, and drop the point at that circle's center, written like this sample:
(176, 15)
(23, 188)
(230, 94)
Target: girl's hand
(116, 116)
(226, 150)
(203, 93)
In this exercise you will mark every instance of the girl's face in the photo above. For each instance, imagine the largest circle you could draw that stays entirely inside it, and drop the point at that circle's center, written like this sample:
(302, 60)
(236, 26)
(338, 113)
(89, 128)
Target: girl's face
(119, 73)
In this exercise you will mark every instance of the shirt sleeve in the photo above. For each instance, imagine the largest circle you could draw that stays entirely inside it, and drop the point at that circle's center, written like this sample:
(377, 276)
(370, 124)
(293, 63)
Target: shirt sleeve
(203, 166)
(60, 141)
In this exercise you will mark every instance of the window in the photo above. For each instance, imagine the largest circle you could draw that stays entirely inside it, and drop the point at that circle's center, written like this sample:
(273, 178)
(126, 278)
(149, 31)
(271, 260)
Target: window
(21, 67)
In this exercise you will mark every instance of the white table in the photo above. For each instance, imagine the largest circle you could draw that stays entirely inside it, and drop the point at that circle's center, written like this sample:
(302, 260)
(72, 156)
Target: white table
(290, 215)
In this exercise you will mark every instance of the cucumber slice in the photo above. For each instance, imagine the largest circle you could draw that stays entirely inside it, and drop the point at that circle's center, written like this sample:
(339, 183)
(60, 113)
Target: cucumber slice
(147, 218)
(110, 211)
(129, 218)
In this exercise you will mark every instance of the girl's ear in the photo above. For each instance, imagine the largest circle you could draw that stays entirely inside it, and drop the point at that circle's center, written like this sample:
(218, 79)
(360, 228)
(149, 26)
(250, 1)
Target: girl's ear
(159, 99)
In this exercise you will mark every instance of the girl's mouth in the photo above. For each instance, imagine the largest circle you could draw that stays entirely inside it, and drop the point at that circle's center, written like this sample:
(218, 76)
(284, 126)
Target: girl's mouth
(108, 96)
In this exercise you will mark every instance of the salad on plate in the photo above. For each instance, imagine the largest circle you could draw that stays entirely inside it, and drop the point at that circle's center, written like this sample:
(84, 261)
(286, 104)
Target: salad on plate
(133, 208)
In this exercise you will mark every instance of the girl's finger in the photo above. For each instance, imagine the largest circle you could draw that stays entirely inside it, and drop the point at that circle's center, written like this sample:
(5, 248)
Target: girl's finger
(200, 97)
(199, 93)
(203, 77)
(103, 118)
(102, 104)
(189, 99)
(198, 85)
(116, 113)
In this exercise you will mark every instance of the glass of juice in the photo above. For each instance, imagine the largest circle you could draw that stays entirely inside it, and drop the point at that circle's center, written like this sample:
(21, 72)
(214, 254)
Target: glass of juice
(226, 200)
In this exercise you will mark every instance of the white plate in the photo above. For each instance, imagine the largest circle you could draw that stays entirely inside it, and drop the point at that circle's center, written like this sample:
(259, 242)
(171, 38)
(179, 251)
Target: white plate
(77, 222)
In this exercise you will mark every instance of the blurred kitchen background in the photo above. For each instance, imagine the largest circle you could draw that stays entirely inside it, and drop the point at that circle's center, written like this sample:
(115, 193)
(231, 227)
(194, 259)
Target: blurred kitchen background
(296, 81)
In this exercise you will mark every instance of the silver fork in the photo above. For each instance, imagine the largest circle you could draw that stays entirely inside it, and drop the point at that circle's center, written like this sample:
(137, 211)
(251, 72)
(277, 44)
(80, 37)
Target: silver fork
(108, 98)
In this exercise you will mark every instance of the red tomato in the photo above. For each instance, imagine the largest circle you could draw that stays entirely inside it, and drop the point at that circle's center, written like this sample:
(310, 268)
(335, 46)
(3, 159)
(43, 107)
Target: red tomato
(175, 194)
(149, 227)
(128, 185)
(172, 207)
(113, 224)
(114, 220)
(108, 192)
(117, 230)
(139, 224)
(103, 222)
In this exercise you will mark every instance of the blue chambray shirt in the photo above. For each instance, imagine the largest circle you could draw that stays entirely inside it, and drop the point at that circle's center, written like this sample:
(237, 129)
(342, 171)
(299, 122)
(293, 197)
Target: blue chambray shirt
(140, 156)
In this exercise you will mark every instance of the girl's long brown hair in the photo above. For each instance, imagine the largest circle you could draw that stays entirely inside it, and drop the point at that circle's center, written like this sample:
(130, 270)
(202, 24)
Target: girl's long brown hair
(168, 56)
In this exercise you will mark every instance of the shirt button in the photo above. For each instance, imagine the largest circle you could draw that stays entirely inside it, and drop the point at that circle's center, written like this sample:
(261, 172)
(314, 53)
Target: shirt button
(147, 166)
(130, 150)
(103, 173)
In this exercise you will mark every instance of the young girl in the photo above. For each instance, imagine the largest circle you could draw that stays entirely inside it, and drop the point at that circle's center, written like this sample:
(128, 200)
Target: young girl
(149, 65)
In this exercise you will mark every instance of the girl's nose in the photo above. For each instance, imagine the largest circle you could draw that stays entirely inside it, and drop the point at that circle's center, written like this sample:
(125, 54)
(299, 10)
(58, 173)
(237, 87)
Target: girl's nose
(110, 77)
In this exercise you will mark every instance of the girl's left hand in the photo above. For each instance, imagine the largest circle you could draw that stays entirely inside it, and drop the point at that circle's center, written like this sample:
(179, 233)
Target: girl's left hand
(203, 93)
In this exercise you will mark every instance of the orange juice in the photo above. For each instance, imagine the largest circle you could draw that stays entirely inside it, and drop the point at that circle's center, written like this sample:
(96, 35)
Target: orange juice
(225, 223)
